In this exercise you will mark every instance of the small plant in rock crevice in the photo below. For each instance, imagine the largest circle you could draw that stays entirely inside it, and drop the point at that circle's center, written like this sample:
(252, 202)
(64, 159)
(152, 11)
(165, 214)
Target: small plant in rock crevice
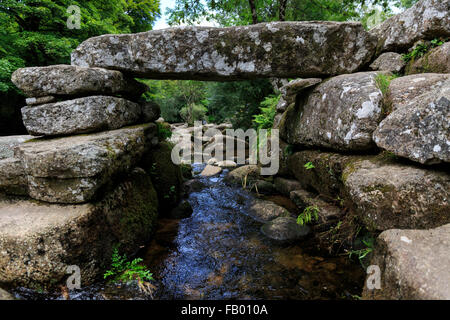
(422, 48)
(361, 254)
(308, 215)
(124, 271)
(309, 165)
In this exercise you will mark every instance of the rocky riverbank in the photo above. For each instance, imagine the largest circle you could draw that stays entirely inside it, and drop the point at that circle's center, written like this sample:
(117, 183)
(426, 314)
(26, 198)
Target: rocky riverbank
(364, 155)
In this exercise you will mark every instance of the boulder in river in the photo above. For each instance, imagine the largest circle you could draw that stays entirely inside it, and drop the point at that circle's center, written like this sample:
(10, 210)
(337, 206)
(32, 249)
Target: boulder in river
(245, 174)
(275, 49)
(210, 171)
(414, 265)
(284, 229)
(264, 210)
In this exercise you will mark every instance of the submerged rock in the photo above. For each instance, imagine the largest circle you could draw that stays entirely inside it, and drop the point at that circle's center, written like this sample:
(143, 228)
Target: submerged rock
(414, 265)
(39, 241)
(63, 80)
(193, 185)
(284, 229)
(181, 211)
(428, 19)
(82, 115)
(276, 49)
(264, 211)
(420, 129)
(340, 114)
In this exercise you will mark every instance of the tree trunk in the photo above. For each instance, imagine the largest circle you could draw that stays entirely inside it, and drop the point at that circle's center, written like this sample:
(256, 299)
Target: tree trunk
(253, 9)
(282, 10)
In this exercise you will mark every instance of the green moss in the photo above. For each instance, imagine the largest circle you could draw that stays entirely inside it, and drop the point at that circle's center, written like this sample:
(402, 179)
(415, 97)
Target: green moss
(141, 210)
(166, 176)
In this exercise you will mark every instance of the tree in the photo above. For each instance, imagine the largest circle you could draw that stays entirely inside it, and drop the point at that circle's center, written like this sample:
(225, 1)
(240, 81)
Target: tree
(35, 33)
(243, 12)
(176, 95)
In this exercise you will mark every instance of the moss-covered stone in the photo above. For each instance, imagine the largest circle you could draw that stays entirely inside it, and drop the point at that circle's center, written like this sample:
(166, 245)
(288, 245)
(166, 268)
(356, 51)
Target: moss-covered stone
(383, 192)
(166, 176)
(40, 240)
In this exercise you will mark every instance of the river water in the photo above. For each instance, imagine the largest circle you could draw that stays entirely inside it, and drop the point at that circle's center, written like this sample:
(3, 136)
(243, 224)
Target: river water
(220, 253)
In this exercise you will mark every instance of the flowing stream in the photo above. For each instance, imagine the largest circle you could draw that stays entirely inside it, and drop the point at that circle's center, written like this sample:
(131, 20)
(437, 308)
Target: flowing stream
(220, 253)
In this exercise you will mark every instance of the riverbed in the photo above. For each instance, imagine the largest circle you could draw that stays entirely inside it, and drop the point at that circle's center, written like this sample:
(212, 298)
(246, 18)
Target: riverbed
(220, 253)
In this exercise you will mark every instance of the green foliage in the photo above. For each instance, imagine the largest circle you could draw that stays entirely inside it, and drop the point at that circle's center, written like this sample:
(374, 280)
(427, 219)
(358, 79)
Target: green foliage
(126, 271)
(193, 112)
(35, 33)
(383, 81)
(163, 132)
(288, 150)
(418, 52)
(238, 12)
(422, 48)
(309, 165)
(308, 215)
(362, 253)
(268, 108)
(237, 101)
(174, 95)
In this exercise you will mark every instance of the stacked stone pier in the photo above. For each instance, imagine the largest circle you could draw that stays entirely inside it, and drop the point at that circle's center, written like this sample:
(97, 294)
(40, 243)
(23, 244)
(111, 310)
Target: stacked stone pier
(76, 182)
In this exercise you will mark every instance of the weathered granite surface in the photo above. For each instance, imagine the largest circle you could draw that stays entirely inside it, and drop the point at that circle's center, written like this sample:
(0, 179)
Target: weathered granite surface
(81, 115)
(276, 49)
(65, 80)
